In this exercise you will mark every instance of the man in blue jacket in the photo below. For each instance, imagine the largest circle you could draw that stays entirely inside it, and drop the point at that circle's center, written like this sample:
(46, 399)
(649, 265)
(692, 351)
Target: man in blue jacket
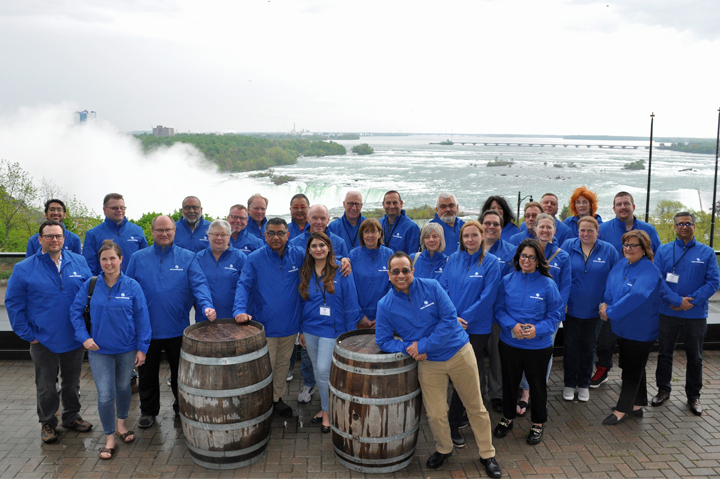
(421, 313)
(39, 295)
(172, 281)
(268, 291)
(130, 237)
(400, 232)
(319, 217)
(348, 225)
(550, 206)
(446, 212)
(690, 277)
(239, 238)
(257, 206)
(191, 229)
(55, 211)
(299, 206)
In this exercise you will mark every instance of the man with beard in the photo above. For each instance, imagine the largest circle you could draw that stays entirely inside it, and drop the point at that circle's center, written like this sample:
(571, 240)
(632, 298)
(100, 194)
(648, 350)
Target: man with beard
(191, 230)
(446, 213)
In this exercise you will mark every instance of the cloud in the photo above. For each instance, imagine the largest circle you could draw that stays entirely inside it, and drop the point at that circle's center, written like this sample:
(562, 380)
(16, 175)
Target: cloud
(97, 11)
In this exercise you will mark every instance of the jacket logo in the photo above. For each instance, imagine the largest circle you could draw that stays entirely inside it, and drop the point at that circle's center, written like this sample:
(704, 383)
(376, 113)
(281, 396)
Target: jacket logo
(537, 296)
(698, 261)
(397, 235)
(176, 268)
(293, 269)
(132, 238)
(427, 305)
(476, 275)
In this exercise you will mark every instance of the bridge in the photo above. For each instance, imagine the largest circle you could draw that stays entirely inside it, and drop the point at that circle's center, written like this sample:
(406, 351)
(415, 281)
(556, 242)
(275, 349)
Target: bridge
(564, 145)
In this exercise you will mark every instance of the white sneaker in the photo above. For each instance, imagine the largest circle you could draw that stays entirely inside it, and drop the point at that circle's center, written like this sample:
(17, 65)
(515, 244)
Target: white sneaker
(305, 394)
(290, 376)
(584, 394)
(569, 394)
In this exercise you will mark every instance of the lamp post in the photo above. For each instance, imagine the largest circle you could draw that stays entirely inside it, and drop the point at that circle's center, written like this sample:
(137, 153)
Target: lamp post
(712, 223)
(518, 206)
(647, 201)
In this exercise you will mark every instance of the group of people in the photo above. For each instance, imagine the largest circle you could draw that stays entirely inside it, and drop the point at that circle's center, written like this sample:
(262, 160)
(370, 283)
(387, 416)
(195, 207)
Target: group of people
(453, 291)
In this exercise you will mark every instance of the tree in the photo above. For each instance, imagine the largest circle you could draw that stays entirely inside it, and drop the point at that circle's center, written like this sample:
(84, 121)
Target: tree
(17, 196)
(662, 218)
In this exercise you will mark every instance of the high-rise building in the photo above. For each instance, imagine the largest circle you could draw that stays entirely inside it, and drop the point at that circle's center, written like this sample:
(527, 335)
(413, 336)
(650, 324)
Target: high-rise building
(163, 131)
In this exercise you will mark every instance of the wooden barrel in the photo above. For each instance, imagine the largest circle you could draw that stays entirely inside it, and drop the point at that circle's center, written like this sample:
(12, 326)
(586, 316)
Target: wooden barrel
(225, 393)
(374, 405)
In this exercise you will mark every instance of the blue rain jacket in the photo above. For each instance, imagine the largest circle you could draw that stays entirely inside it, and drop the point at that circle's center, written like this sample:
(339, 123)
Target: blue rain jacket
(339, 246)
(370, 269)
(562, 232)
(268, 290)
(172, 280)
(572, 223)
(246, 243)
(346, 231)
(452, 233)
(255, 230)
(508, 231)
(118, 316)
(38, 299)
(699, 277)
(294, 230)
(343, 304)
(529, 298)
(560, 269)
(426, 315)
(472, 288)
(427, 267)
(612, 231)
(403, 235)
(505, 252)
(588, 278)
(222, 276)
(129, 236)
(632, 294)
(72, 243)
(193, 240)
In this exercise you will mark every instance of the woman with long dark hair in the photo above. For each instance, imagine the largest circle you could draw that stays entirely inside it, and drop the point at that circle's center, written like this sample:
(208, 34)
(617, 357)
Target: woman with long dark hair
(499, 204)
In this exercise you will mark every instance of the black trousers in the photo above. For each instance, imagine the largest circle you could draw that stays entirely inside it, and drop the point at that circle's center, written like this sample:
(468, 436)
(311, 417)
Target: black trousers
(532, 362)
(633, 357)
(457, 410)
(149, 382)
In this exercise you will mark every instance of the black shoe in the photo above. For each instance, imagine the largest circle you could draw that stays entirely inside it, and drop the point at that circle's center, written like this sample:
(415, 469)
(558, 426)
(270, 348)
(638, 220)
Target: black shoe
(613, 420)
(464, 423)
(660, 398)
(146, 421)
(282, 409)
(497, 404)
(457, 439)
(325, 429)
(316, 420)
(600, 377)
(437, 459)
(492, 468)
(535, 435)
(695, 406)
(502, 428)
(636, 412)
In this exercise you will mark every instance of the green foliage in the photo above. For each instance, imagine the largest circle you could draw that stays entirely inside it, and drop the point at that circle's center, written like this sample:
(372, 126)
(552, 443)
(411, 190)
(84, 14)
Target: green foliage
(635, 165)
(145, 222)
(564, 213)
(363, 149)
(17, 196)
(703, 147)
(662, 219)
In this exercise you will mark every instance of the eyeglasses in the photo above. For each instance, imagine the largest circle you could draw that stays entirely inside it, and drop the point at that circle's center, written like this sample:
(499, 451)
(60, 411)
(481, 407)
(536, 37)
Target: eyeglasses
(353, 205)
(237, 218)
(163, 232)
(115, 208)
(530, 257)
(194, 208)
(681, 225)
(52, 237)
(396, 271)
(488, 225)
(56, 210)
(218, 235)
(279, 234)
(631, 246)
(531, 215)
(298, 208)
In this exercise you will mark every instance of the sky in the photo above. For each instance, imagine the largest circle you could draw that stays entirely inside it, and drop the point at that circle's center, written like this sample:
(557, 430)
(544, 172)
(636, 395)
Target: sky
(509, 66)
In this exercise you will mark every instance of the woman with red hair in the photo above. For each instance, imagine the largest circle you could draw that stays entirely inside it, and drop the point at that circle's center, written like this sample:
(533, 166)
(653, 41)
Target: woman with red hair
(583, 202)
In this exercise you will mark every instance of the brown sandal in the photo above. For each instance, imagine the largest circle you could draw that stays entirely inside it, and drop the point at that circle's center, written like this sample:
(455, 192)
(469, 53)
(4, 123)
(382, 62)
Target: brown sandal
(108, 450)
(124, 437)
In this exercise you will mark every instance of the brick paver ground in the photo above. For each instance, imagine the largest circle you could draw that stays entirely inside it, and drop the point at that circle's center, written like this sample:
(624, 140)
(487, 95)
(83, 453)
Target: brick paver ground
(668, 442)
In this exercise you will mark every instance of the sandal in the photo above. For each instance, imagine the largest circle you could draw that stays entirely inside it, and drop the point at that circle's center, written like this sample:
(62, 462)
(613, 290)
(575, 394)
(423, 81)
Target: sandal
(127, 437)
(522, 405)
(108, 450)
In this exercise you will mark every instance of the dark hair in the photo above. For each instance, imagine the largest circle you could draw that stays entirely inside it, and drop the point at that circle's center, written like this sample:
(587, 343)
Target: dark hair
(50, 223)
(683, 213)
(368, 224)
(542, 264)
(492, 212)
(112, 196)
(624, 193)
(507, 214)
(188, 197)
(54, 200)
(399, 254)
(390, 193)
(308, 267)
(644, 240)
(110, 244)
(299, 195)
(276, 222)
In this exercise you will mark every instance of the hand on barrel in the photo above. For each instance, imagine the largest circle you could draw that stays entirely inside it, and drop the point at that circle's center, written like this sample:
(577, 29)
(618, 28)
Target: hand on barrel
(210, 314)
(243, 318)
(365, 323)
(139, 358)
(90, 345)
(345, 268)
(462, 322)
(412, 350)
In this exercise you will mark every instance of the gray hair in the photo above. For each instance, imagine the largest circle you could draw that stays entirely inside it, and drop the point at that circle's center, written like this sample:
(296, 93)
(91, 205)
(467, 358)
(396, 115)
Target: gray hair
(430, 228)
(545, 216)
(445, 194)
(220, 224)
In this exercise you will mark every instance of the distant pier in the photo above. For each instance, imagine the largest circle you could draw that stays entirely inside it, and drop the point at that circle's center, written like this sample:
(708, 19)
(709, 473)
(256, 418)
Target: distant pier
(564, 145)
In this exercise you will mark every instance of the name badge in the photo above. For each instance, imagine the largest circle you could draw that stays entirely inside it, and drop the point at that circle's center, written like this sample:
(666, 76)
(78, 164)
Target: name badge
(672, 278)
(324, 310)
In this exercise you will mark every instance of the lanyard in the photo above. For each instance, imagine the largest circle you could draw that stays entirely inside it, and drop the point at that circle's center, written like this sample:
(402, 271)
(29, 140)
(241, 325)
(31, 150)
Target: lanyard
(389, 236)
(353, 238)
(681, 257)
(319, 285)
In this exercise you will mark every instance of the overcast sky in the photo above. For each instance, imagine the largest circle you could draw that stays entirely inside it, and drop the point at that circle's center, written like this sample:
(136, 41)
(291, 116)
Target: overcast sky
(509, 66)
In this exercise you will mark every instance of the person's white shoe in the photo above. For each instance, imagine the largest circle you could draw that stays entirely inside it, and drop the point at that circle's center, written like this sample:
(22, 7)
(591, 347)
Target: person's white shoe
(569, 394)
(305, 394)
(584, 394)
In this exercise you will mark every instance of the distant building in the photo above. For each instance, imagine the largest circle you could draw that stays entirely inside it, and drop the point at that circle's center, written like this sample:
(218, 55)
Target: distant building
(84, 116)
(163, 131)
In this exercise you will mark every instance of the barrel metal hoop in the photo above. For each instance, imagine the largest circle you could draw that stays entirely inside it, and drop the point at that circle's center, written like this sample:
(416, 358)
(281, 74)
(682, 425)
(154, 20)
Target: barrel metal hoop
(244, 358)
(375, 440)
(371, 470)
(374, 401)
(226, 427)
(373, 461)
(369, 358)
(234, 453)
(222, 393)
(374, 372)
(225, 467)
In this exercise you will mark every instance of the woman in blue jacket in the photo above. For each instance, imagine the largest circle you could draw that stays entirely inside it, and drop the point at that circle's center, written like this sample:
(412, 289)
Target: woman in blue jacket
(118, 340)
(499, 204)
(329, 308)
(431, 259)
(591, 260)
(222, 265)
(632, 304)
(529, 309)
(369, 265)
(471, 279)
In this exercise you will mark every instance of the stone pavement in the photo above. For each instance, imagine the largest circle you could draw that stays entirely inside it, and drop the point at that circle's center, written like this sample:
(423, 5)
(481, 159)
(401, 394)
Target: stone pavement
(668, 442)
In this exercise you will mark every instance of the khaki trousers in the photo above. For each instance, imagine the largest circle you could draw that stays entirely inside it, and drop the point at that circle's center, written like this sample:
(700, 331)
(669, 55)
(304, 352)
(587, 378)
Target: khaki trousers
(280, 351)
(463, 371)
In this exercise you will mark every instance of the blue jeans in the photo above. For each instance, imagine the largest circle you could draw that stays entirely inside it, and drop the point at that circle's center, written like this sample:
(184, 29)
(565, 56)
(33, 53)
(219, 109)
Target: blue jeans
(306, 367)
(693, 331)
(579, 350)
(320, 351)
(112, 373)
